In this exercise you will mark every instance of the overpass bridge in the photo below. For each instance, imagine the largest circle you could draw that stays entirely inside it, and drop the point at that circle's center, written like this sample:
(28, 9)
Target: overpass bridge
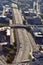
(23, 26)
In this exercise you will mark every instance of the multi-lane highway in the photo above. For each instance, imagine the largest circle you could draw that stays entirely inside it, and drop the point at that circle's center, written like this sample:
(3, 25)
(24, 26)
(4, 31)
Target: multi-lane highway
(22, 36)
(26, 44)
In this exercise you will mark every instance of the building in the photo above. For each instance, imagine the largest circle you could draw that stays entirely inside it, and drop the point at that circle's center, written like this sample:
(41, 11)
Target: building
(4, 35)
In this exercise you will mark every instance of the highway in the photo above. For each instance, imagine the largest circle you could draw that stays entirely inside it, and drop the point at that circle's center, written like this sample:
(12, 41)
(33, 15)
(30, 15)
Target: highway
(26, 45)
(21, 34)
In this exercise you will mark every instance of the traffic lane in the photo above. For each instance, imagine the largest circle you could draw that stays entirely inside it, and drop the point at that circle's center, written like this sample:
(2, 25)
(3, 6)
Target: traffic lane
(32, 40)
(23, 45)
(27, 45)
(18, 17)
